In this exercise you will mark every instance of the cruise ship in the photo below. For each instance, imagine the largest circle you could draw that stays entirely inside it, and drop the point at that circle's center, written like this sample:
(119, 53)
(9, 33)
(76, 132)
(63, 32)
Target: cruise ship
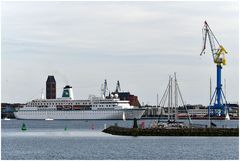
(67, 108)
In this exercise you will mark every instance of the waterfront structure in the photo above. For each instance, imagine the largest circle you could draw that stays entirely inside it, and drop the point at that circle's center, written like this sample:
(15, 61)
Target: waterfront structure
(172, 131)
(218, 102)
(197, 111)
(50, 87)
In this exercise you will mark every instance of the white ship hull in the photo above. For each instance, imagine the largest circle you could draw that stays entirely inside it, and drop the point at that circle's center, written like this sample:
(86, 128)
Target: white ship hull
(79, 114)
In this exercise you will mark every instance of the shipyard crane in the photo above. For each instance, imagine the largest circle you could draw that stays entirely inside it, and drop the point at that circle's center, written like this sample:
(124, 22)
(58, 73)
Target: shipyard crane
(218, 102)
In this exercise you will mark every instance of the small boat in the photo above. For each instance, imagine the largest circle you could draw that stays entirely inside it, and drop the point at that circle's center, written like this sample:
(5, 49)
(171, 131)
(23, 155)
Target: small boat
(49, 119)
(124, 116)
(227, 117)
(6, 118)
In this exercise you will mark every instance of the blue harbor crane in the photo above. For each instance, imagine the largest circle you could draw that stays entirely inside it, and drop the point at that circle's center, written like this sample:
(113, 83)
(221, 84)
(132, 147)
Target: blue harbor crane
(218, 102)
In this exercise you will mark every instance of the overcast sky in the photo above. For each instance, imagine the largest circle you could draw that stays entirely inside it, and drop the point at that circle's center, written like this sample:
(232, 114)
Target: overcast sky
(138, 43)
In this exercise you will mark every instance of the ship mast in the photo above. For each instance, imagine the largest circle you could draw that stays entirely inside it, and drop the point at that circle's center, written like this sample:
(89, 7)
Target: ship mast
(104, 89)
(118, 88)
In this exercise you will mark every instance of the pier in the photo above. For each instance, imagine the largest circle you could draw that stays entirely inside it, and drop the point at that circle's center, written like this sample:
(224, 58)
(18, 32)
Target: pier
(221, 132)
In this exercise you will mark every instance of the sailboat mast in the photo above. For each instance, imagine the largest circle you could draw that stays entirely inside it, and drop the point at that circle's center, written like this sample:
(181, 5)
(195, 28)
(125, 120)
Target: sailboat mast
(175, 93)
(157, 104)
(169, 99)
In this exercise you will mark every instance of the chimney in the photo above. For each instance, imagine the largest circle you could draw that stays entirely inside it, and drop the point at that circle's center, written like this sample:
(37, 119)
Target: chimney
(67, 92)
(51, 87)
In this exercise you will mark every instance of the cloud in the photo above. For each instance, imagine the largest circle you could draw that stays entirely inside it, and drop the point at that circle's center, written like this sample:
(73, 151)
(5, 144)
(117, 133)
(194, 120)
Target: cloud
(134, 42)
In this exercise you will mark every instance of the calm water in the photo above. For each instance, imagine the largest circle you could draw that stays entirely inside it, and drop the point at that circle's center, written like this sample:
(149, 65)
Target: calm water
(84, 140)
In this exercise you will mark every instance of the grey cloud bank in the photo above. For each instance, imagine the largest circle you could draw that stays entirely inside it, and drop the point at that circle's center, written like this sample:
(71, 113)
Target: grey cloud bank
(138, 43)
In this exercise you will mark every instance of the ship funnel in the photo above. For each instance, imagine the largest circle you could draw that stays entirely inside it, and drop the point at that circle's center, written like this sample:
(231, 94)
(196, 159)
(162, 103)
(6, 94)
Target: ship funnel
(67, 92)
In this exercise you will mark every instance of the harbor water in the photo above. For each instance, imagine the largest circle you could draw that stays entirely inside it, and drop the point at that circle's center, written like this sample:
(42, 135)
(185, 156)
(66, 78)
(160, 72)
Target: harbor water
(83, 140)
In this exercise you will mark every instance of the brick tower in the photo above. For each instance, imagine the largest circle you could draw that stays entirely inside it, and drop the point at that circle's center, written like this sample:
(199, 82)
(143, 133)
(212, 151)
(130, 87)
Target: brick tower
(51, 87)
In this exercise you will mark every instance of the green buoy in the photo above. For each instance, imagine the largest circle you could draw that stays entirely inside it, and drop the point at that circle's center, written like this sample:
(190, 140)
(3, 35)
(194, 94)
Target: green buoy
(24, 128)
(65, 129)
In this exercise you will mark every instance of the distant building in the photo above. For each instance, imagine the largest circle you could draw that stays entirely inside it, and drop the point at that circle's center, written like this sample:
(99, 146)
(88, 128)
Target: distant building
(133, 100)
(7, 109)
(51, 87)
(195, 111)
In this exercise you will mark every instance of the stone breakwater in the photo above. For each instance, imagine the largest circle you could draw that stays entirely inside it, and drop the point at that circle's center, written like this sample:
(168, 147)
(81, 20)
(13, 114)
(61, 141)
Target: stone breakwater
(115, 130)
